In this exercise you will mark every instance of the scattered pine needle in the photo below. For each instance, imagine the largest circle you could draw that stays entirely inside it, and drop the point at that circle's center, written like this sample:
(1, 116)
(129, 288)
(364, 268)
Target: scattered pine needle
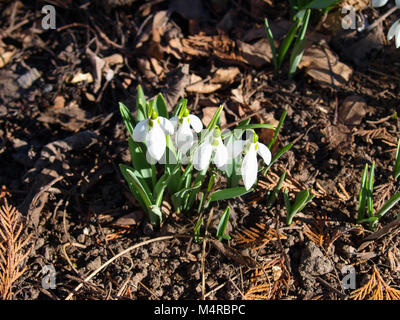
(376, 289)
(269, 282)
(12, 249)
(257, 237)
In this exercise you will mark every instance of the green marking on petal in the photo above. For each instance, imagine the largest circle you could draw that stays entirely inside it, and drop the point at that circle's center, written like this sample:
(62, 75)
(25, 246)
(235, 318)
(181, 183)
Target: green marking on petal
(217, 132)
(255, 137)
(154, 115)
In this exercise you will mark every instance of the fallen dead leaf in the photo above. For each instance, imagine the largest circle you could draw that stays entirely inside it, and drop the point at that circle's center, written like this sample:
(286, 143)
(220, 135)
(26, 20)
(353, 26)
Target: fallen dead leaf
(324, 66)
(223, 48)
(208, 113)
(220, 78)
(339, 138)
(80, 77)
(130, 219)
(177, 81)
(113, 59)
(97, 66)
(352, 110)
(5, 57)
(59, 102)
(225, 76)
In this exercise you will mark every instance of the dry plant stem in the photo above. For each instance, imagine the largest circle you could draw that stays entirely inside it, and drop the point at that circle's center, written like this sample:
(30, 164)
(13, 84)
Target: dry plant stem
(88, 278)
(203, 257)
(380, 19)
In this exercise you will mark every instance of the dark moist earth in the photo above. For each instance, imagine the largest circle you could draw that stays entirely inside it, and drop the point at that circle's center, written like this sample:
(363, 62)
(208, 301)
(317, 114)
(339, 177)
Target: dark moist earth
(61, 144)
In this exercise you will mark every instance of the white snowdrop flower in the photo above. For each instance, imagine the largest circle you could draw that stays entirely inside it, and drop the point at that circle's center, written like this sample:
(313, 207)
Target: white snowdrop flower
(212, 145)
(250, 148)
(380, 3)
(394, 31)
(184, 136)
(153, 132)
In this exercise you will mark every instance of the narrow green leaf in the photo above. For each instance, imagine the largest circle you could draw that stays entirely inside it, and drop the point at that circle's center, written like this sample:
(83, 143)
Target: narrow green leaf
(274, 195)
(223, 222)
(396, 171)
(271, 43)
(277, 156)
(138, 159)
(228, 193)
(370, 190)
(287, 201)
(141, 105)
(287, 41)
(197, 230)
(278, 129)
(139, 184)
(299, 203)
(388, 205)
(300, 44)
(362, 197)
(161, 106)
(127, 117)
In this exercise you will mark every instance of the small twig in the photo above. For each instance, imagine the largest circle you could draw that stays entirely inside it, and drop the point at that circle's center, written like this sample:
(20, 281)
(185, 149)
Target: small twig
(380, 19)
(88, 278)
(328, 286)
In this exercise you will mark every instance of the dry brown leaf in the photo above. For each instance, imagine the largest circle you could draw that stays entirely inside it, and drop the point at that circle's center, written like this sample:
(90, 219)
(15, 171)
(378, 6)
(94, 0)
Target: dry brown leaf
(130, 219)
(223, 48)
(257, 54)
(208, 113)
(225, 76)
(339, 138)
(221, 77)
(352, 110)
(5, 57)
(113, 59)
(80, 77)
(324, 66)
(59, 102)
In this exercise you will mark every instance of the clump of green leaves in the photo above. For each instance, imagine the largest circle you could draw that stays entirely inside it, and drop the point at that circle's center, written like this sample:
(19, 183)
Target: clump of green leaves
(366, 213)
(162, 164)
(301, 200)
(296, 36)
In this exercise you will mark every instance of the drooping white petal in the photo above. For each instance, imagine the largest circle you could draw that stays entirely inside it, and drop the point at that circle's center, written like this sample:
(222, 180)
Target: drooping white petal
(235, 148)
(166, 125)
(202, 156)
(149, 158)
(249, 168)
(264, 152)
(379, 3)
(195, 122)
(140, 131)
(184, 137)
(393, 30)
(221, 155)
(174, 121)
(156, 141)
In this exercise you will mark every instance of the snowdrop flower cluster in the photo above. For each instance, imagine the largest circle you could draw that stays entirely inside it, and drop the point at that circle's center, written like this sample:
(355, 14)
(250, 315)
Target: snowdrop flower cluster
(184, 129)
(394, 30)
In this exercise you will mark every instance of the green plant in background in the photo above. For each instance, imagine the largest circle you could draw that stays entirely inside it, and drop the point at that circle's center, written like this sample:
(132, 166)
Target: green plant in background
(366, 212)
(174, 155)
(301, 200)
(297, 33)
